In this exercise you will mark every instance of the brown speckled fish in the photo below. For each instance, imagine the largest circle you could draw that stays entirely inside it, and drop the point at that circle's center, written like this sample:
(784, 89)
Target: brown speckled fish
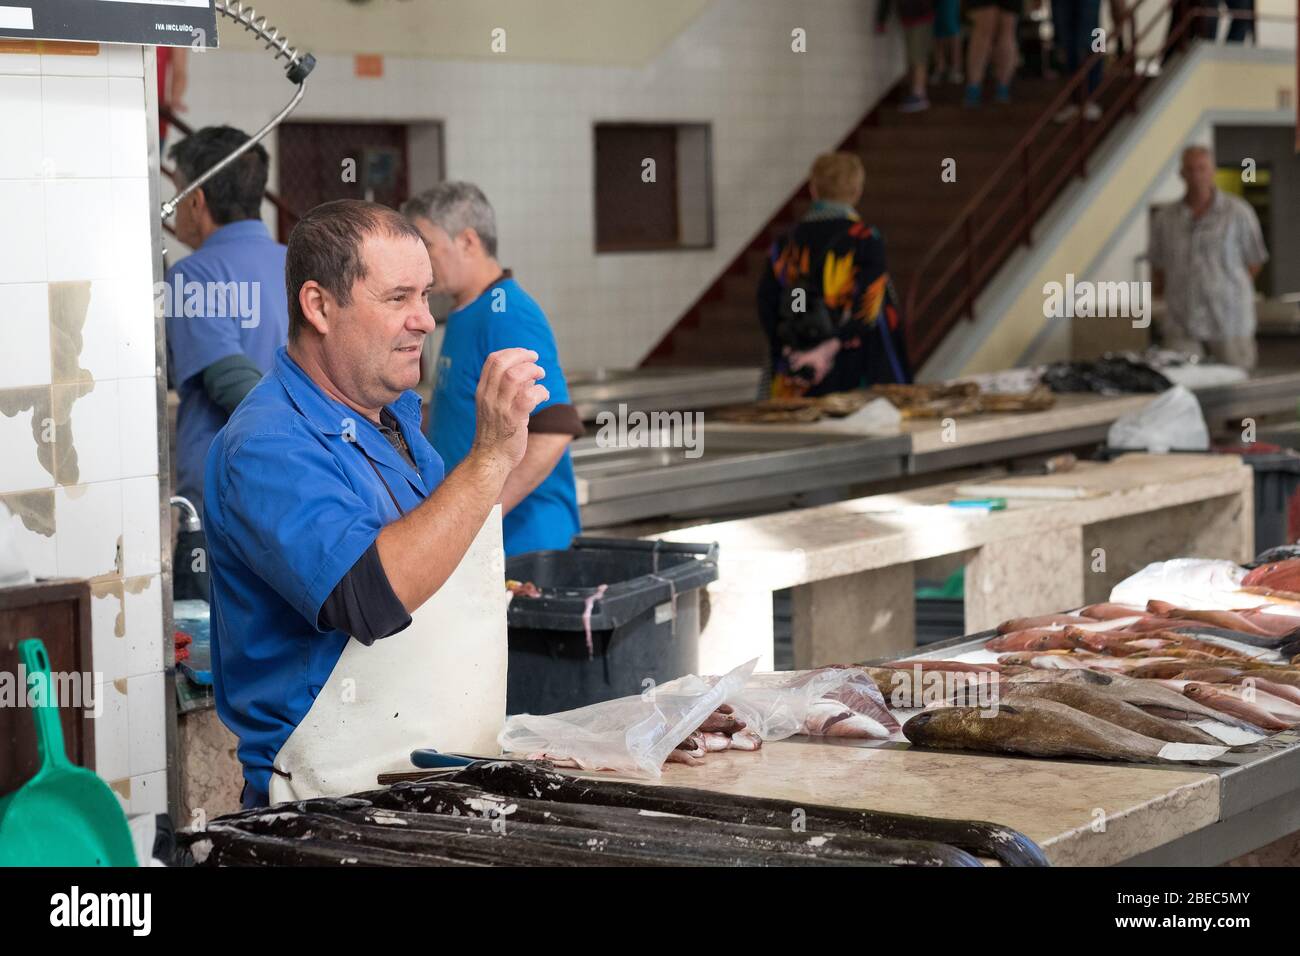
(1036, 728)
(1108, 708)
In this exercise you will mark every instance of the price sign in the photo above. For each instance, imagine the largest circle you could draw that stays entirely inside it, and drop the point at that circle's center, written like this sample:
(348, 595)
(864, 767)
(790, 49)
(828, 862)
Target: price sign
(152, 22)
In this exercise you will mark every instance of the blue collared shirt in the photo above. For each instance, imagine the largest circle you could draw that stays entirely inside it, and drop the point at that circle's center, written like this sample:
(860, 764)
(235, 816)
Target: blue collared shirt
(298, 488)
(225, 299)
(504, 316)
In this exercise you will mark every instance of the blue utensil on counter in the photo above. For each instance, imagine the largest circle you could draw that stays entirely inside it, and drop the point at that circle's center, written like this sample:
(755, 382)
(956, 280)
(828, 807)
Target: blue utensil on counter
(428, 759)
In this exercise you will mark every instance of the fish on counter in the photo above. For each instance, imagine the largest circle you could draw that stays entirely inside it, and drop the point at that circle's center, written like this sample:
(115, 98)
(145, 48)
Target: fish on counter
(1041, 621)
(1245, 620)
(1108, 708)
(830, 718)
(1228, 703)
(1107, 611)
(1044, 728)
(1032, 639)
(1281, 576)
(1156, 698)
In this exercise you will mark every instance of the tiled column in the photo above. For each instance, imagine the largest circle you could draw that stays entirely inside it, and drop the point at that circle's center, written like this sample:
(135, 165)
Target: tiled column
(78, 386)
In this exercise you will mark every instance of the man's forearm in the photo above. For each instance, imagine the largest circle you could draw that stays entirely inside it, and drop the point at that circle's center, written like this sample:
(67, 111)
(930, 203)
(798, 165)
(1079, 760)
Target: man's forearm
(421, 550)
(544, 452)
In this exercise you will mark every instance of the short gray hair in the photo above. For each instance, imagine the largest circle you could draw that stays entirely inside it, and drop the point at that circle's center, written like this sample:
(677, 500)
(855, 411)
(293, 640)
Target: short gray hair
(455, 207)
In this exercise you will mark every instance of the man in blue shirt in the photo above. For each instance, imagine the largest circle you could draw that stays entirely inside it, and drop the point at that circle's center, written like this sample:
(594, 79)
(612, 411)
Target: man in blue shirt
(329, 517)
(225, 305)
(493, 312)
(225, 314)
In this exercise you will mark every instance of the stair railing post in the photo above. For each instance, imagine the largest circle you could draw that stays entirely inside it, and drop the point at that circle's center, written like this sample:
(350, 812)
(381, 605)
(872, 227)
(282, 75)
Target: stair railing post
(970, 266)
(1028, 217)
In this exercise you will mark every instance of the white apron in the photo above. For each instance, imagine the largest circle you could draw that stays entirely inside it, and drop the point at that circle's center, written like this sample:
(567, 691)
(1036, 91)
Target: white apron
(440, 683)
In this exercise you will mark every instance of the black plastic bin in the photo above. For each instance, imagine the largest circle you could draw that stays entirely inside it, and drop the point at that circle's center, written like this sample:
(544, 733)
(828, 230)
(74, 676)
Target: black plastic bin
(1277, 507)
(645, 625)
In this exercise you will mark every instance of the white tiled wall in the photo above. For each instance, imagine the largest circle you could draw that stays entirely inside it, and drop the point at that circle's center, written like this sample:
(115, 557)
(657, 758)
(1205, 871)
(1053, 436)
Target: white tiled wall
(74, 207)
(523, 131)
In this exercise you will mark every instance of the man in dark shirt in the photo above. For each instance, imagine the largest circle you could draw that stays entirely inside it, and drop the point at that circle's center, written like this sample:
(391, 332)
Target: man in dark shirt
(825, 300)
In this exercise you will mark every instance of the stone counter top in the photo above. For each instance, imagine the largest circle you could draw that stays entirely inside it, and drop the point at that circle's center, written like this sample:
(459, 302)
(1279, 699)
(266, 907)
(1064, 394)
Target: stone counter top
(1080, 813)
(791, 548)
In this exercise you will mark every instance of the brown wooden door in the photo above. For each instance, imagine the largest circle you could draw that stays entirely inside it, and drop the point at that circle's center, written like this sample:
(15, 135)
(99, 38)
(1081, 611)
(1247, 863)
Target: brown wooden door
(318, 162)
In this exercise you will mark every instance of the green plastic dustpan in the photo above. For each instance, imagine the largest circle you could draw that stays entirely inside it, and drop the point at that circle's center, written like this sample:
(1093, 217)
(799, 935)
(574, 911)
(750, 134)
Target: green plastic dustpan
(65, 815)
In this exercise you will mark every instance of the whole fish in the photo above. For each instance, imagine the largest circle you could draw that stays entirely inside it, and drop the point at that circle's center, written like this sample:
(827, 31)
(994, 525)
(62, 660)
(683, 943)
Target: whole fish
(1032, 639)
(906, 689)
(746, 740)
(1043, 620)
(1041, 728)
(1150, 695)
(1119, 644)
(1078, 675)
(1169, 668)
(1227, 703)
(931, 665)
(1205, 675)
(1061, 660)
(1280, 575)
(1110, 709)
(1212, 647)
(1247, 621)
(830, 718)
(1252, 693)
(1284, 691)
(1105, 611)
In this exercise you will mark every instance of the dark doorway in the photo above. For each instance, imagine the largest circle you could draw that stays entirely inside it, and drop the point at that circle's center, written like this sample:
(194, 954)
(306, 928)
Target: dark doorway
(318, 162)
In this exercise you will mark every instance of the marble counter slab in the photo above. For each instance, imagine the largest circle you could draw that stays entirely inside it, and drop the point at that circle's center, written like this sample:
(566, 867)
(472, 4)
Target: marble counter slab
(791, 548)
(1081, 814)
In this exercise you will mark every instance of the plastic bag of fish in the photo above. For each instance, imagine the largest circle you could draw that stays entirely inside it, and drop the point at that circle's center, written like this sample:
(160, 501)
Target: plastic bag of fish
(632, 735)
(827, 701)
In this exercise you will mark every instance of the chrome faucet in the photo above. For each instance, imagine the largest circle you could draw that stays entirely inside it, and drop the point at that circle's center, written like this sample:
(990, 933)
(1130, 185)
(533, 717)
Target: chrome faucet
(190, 521)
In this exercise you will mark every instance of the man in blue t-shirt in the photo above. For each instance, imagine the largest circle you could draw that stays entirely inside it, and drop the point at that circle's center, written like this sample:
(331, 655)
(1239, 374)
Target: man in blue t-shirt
(493, 312)
(226, 312)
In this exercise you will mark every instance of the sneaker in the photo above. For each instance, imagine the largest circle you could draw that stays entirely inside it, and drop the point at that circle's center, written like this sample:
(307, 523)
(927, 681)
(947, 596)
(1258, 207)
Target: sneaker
(1092, 112)
(956, 77)
(913, 104)
(1002, 93)
(1066, 115)
(972, 97)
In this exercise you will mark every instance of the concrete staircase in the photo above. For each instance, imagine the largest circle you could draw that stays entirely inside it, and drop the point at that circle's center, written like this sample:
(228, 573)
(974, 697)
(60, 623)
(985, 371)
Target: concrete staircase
(905, 198)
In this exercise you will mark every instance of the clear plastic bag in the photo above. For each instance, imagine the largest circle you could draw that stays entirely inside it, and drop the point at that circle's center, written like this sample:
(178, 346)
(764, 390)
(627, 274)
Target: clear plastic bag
(1170, 422)
(632, 735)
(836, 701)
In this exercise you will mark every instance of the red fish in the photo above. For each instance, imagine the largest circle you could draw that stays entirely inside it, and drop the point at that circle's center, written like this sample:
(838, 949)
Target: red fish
(1031, 639)
(1223, 701)
(1107, 611)
(1045, 620)
(1277, 575)
(1248, 621)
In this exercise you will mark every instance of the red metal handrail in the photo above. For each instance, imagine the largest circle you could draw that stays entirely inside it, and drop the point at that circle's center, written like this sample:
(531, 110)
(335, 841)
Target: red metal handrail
(925, 333)
(281, 206)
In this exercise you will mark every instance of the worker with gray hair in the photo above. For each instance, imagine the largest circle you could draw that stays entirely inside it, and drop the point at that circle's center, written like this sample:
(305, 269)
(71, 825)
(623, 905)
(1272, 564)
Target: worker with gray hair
(491, 312)
(1205, 252)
